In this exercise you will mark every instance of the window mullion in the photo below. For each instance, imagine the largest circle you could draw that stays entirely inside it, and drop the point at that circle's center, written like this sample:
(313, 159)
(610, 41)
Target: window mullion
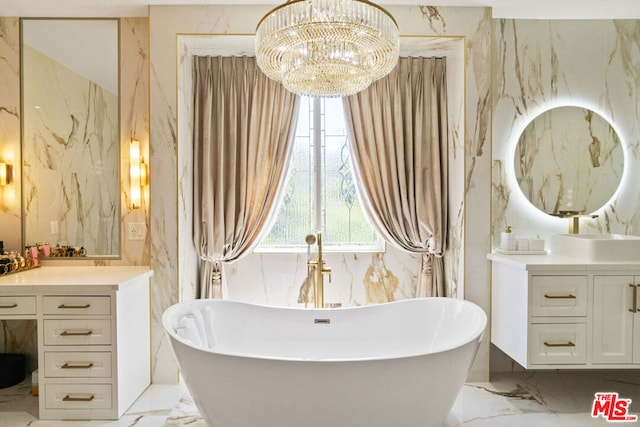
(317, 163)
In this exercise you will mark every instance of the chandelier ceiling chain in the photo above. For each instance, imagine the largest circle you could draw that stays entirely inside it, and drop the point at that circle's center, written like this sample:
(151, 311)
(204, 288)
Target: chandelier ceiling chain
(327, 48)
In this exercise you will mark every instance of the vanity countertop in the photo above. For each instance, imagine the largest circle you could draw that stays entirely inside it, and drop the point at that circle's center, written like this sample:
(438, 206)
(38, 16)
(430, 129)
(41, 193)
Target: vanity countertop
(555, 262)
(52, 276)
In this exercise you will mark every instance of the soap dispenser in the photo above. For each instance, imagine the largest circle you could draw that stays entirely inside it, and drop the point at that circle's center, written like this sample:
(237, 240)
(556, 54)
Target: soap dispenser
(508, 240)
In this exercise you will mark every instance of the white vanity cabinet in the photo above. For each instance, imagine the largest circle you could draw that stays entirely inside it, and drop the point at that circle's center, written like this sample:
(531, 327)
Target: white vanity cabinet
(93, 336)
(616, 319)
(550, 312)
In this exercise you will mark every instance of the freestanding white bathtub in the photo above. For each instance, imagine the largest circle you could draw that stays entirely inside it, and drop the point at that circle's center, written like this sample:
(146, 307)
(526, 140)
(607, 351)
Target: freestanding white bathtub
(388, 365)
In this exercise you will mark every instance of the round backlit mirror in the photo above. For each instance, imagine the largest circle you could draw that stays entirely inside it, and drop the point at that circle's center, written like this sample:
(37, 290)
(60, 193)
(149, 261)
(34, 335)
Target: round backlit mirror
(569, 159)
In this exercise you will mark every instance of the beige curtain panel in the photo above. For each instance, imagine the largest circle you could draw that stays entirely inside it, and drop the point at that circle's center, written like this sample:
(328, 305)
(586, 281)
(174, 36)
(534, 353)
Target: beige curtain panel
(398, 133)
(244, 125)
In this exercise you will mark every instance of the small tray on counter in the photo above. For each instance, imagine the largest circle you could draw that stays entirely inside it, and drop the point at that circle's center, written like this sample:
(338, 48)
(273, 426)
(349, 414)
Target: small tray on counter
(6, 269)
(500, 251)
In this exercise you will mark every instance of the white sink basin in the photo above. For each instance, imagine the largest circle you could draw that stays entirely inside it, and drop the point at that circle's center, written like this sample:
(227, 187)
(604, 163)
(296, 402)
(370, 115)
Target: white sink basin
(597, 247)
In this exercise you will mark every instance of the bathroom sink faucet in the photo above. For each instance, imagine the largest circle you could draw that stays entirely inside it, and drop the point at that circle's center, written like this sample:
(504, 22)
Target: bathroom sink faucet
(574, 219)
(319, 269)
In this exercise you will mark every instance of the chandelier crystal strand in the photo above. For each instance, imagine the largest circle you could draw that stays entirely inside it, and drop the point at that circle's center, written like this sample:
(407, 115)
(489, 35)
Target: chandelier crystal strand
(327, 48)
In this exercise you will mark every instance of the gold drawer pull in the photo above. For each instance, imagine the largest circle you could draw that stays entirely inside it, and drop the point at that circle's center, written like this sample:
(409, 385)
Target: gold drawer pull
(14, 305)
(564, 344)
(635, 299)
(77, 366)
(68, 398)
(63, 306)
(76, 334)
(547, 296)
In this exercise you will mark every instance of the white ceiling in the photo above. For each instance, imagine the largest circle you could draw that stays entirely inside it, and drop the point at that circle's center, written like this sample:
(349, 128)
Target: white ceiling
(525, 9)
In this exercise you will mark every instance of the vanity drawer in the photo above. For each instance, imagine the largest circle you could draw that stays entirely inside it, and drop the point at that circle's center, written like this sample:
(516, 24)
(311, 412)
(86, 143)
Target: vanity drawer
(553, 343)
(77, 396)
(77, 364)
(77, 332)
(17, 305)
(558, 296)
(76, 305)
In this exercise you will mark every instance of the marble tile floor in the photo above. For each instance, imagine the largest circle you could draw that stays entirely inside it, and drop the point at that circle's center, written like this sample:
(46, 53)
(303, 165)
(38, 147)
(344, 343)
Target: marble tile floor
(527, 399)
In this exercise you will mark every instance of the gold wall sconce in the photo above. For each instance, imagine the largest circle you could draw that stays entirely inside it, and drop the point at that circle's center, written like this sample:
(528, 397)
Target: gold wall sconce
(138, 173)
(6, 173)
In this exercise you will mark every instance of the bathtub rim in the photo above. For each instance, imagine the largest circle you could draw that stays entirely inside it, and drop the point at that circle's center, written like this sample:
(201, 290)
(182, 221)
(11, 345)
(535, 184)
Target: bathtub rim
(479, 332)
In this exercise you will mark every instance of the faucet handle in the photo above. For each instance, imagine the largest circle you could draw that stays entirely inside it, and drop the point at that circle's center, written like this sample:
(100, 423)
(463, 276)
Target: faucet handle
(327, 270)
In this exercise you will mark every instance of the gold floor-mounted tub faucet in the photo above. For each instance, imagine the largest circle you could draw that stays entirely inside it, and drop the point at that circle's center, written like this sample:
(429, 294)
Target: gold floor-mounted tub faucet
(318, 268)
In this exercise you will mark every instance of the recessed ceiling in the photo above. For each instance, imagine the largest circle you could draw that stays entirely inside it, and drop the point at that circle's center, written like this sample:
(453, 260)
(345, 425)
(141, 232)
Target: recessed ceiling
(524, 9)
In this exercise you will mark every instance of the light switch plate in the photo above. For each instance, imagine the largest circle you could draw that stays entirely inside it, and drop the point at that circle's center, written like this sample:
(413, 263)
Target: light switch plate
(136, 231)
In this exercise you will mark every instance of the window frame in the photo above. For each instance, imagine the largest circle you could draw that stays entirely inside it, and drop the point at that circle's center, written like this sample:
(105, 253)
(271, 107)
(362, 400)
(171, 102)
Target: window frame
(317, 153)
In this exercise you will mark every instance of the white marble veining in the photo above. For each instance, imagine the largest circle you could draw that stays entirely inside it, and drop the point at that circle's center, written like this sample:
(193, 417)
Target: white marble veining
(551, 399)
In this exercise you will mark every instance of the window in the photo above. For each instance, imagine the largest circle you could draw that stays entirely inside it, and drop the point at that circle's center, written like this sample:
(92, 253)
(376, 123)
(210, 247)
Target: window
(320, 190)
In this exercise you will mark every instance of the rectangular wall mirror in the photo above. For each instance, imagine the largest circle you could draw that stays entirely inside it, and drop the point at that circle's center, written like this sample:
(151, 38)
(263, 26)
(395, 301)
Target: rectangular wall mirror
(71, 136)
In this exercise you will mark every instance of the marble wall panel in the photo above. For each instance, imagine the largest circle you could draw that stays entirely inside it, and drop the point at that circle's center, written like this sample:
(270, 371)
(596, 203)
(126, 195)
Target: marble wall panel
(542, 64)
(357, 278)
(189, 259)
(277, 279)
(10, 130)
(134, 121)
(454, 255)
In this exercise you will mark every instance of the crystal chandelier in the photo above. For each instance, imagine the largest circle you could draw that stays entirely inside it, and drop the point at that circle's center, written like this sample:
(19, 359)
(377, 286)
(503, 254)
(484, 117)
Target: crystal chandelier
(327, 48)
